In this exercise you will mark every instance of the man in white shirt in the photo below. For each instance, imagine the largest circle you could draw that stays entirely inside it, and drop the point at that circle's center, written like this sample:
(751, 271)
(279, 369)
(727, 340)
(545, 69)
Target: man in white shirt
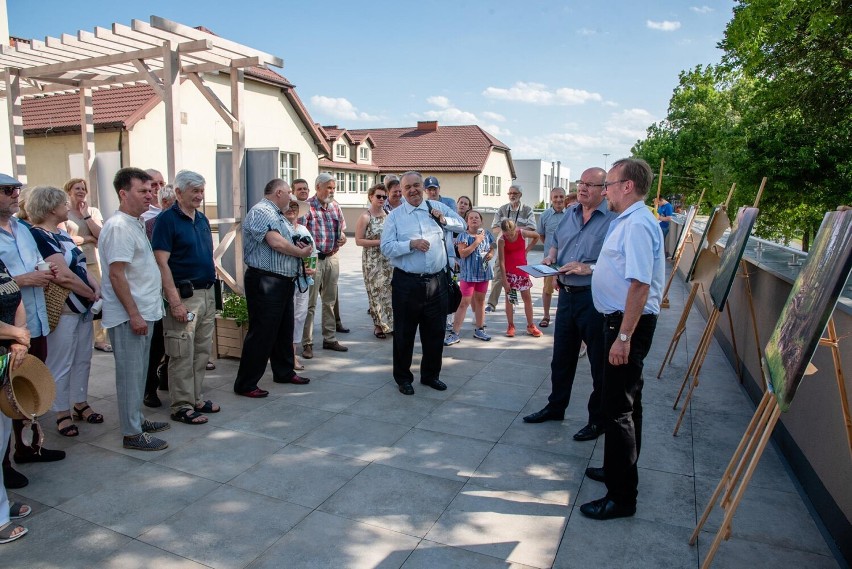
(133, 301)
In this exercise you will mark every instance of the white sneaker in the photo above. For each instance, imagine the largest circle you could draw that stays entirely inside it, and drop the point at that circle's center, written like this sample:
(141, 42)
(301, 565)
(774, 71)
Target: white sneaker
(449, 327)
(451, 338)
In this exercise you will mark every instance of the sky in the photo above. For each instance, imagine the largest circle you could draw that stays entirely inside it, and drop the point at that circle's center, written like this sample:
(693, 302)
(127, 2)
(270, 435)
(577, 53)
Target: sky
(568, 81)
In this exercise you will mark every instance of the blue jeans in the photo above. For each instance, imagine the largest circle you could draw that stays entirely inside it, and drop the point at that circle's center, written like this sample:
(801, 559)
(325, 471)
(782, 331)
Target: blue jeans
(131, 368)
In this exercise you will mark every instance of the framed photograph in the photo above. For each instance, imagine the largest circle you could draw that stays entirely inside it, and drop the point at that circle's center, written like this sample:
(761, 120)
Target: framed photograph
(811, 302)
(717, 223)
(720, 288)
(687, 225)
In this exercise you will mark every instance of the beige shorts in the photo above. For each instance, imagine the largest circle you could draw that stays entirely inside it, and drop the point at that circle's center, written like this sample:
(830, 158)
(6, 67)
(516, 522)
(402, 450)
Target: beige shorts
(549, 285)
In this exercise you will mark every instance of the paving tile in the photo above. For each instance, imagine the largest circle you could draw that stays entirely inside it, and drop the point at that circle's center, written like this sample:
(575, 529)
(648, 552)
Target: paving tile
(299, 475)
(392, 498)
(537, 473)
(482, 392)
(468, 421)
(552, 436)
(325, 395)
(322, 540)
(220, 454)
(280, 421)
(133, 503)
(429, 555)
(505, 525)
(356, 437)
(179, 435)
(388, 405)
(138, 555)
(515, 372)
(250, 521)
(630, 543)
(438, 454)
(736, 553)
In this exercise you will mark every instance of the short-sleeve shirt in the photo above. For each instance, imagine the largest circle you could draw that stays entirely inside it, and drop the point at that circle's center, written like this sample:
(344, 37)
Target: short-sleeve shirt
(260, 220)
(474, 269)
(548, 221)
(581, 242)
(325, 223)
(52, 243)
(665, 210)
(190, 244)
(19, 253)
(90, 249)
(523, 216)
(123, 240)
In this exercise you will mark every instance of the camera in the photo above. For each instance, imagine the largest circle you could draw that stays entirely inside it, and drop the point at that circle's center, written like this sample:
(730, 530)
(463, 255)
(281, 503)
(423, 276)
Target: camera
(301, 239)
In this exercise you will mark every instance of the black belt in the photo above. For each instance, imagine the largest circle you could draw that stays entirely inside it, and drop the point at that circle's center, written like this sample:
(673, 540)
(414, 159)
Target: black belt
(322, 256)
(574, 289)
(422, 276)
(270, 273)
(202, 286)
(619, 315)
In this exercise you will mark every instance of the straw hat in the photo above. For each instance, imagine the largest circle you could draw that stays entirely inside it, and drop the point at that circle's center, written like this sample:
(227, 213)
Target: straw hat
(29, 391)
(304, 207)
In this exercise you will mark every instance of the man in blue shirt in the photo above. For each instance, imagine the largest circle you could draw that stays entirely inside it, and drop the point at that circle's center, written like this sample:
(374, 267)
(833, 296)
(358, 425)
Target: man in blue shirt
(575, 247)
(627, 287)
(665, 210)
(183, 246)
(413, 241)
(548, 221)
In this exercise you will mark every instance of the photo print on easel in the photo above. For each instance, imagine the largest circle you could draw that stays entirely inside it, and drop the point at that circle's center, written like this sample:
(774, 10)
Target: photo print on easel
(809, 306)
(720, 288)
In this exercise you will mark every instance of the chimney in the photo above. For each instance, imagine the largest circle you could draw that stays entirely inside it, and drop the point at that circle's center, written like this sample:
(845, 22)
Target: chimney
(427, 125)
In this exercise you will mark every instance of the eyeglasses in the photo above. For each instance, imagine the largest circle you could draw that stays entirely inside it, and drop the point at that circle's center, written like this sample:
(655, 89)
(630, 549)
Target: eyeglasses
(380, 196)
(10, 190)
(606, 185)
(588, 185)
(513, 194)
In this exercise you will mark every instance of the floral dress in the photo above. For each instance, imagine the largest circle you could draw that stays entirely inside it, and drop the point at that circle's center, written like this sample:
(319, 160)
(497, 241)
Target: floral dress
(377, 277)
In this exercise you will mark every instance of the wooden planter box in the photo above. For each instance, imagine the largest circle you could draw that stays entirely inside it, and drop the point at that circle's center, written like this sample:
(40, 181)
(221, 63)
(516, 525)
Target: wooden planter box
(229, 338)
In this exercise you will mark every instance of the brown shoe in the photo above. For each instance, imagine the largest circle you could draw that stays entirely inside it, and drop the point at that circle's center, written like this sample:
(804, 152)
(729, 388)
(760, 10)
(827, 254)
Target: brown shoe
(336, 346)
(308, 351)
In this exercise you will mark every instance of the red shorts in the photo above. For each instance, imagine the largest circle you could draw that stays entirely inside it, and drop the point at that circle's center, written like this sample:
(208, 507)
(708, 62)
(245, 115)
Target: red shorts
(468, 288)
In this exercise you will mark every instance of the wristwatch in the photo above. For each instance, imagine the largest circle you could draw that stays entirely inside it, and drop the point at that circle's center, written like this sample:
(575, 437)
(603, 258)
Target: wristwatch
(623, 337)
(87, 218)
(592, 267)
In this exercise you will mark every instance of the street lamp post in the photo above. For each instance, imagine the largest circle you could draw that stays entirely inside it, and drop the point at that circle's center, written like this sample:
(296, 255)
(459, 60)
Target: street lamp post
(606, 155)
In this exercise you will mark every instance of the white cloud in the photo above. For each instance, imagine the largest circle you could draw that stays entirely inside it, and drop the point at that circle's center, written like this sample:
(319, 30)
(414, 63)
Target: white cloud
(629, 125)
(610, 104)
(439, 101)
(701, 9)
(539, 94)
(664, 26)
(494, 116)
(339, 108)
(451, 115)
(496, 130)
(586, 32)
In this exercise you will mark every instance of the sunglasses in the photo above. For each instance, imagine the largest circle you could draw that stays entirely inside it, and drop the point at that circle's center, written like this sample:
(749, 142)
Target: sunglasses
(380, 196)
(10, 190)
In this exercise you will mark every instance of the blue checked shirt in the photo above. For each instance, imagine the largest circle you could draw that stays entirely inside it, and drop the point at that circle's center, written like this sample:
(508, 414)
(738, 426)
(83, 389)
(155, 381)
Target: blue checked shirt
(261, 219)
(473, 267)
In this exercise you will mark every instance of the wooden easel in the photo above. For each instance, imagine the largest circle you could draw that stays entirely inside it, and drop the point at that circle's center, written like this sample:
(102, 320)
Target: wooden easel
(745, 459)
(707, 338)
(705, 268)
(687, 238)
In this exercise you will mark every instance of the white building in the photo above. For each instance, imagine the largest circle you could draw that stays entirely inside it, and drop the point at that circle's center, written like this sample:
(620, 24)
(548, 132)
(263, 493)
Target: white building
(537, 177)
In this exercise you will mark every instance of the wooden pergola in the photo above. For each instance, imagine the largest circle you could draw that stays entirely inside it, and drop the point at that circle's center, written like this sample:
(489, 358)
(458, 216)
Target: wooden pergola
(161, 54)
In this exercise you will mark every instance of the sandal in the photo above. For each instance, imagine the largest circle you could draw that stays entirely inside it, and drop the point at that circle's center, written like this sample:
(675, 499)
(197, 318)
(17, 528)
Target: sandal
(210, 366)
(69, 431)
(17, 511)
(208, 407)
(545, 322)
(103, 348)
(189, 417)
(92, 417)
(378, 333)
(7, 532)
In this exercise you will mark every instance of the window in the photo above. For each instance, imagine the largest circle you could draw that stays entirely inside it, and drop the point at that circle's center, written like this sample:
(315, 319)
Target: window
(362, 183)
(341, 181)
(364, 153)
(484, 185)
(288, 166)
(353, 182)
(499, 180)
(340, 151)
(493, 185)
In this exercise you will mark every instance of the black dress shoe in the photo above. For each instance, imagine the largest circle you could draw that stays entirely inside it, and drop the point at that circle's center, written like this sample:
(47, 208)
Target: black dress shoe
(151, 400)
(296, 379)
(39, 455)
(435, 384)
(342, 329)
(544, 415)
(406, 389)
(606, 509)
(256, 393)
(588, 433)
(12, 479)
(595, 473)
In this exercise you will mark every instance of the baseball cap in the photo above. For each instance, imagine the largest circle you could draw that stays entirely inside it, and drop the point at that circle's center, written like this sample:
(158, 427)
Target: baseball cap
(6, 180)
(431, 182)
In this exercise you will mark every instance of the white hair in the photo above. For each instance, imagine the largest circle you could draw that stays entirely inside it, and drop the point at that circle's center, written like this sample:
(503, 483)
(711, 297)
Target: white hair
(323, 178)
(186, 179)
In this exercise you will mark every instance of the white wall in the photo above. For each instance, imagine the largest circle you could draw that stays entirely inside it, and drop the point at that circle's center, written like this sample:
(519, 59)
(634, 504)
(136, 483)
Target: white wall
(5, 146)
(531, 174)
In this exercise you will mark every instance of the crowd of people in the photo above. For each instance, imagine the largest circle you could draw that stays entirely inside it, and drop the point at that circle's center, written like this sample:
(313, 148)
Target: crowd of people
(607, 247)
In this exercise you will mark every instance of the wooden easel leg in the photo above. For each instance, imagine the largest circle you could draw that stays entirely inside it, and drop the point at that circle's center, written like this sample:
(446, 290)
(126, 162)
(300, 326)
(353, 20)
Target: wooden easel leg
(764, 418)
(725, 527)
(753, 319)
(697, 361)
(681, 328)
(728, 479)
(693, 363)
(734, 342)
(841, 382)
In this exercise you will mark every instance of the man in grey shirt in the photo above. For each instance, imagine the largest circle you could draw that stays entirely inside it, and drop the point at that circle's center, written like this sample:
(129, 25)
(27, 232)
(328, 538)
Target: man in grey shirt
(524, 218)
(548, 221)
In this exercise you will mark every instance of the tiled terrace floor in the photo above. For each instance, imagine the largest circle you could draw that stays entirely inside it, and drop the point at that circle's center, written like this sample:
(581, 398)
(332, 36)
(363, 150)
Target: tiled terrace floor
(346, 472)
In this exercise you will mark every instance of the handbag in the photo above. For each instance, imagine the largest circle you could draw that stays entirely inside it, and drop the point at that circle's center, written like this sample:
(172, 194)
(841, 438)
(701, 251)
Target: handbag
(454, 294)
(55, 297)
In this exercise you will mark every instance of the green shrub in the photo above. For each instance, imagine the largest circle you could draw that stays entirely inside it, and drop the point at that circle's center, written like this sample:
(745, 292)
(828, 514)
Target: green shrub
(234, 306)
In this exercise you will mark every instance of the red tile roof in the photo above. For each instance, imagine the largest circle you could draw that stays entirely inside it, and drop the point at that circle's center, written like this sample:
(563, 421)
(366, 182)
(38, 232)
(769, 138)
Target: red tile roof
(57, 113)
(447, 149)
(326, 164)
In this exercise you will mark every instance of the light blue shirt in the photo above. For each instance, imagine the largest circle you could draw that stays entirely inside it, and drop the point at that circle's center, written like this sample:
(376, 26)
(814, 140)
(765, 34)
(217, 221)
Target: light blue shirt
(581, 242)
(406, 223)
(261, 219)
(20, 254)
(548, 221)
(633, 250)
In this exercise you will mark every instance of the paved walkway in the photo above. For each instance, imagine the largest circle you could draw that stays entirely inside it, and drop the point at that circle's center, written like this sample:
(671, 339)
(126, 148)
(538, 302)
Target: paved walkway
(346, 472)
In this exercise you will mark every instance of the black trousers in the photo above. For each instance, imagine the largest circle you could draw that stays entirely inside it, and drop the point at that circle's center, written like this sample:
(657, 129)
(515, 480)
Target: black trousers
(270, 335)
(418, 302)
(155, 356)
(576, 321)
(622, 405)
